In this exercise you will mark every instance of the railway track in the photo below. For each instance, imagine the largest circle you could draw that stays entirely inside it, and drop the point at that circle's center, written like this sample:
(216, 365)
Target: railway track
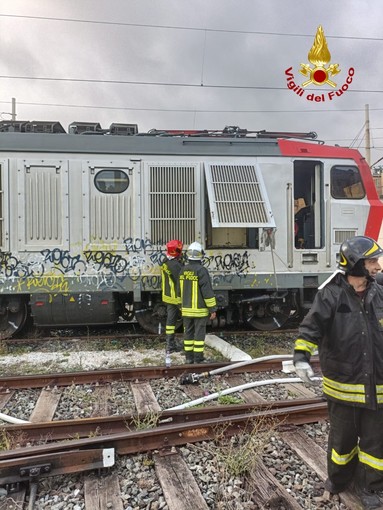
(37, 336)
(51, 449)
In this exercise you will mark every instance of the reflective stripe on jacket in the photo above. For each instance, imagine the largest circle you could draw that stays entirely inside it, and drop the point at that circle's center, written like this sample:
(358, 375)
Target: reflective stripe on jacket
(170, 271)
(348, 333)
(197, 295)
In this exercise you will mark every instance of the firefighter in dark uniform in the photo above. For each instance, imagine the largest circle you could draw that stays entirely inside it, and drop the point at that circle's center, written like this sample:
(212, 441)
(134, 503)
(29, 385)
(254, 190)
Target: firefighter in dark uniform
(170, 270)
(198, 303)
(345, 324)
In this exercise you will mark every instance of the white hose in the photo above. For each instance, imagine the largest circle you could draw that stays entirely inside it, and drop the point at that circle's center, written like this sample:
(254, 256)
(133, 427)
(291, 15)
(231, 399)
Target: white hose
(250, 362)
(242, 387)
(10, 419)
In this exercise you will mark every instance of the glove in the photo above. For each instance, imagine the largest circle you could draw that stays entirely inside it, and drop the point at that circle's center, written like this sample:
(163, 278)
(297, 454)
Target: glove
(304, 371)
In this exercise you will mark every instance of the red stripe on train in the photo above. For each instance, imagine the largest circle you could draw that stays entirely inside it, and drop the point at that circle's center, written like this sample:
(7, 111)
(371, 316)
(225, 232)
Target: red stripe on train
(300, 149)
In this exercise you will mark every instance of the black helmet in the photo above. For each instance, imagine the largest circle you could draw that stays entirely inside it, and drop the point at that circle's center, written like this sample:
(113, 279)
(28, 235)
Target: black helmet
(355, 249)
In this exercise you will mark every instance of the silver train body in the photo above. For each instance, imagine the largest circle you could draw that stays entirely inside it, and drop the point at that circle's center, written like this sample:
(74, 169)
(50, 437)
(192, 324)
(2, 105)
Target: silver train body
(85, 219)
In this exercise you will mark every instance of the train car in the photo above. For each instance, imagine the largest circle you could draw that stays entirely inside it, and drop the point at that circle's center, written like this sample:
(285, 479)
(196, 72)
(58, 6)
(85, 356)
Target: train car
(85, 216)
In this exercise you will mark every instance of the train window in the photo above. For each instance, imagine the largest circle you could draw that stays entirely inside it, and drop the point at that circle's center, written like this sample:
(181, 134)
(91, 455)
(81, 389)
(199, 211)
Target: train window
(346, 182)
(111, 181)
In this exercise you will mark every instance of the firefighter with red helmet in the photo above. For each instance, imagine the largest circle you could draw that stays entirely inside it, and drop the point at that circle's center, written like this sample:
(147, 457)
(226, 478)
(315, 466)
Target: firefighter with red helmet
(345, 324)
(170, 270)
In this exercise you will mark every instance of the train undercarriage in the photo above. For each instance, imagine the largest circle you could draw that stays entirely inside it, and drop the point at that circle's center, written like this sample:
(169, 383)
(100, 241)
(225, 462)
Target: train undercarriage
(253, 310)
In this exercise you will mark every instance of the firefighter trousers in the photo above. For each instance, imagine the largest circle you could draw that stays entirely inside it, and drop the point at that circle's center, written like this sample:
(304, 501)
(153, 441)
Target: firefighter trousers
(194, 333)
(355, 446)
(172, 315)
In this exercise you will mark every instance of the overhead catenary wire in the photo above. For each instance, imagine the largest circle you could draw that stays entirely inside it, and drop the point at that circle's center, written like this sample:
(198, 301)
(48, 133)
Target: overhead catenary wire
(188, 110)
(170, 84)
(181, 27)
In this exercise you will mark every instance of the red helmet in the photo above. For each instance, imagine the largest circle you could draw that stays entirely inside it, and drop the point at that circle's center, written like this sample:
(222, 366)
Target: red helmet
(174, 248)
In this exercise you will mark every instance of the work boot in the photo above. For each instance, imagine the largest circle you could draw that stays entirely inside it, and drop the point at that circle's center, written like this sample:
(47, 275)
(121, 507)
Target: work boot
(369, 499)
(189, 357)
(199, 357)
(332, 488)
(172, 345)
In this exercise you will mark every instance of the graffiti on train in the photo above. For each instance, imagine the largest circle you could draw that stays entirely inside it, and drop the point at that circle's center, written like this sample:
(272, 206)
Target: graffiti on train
(236, 263)
(52, 268)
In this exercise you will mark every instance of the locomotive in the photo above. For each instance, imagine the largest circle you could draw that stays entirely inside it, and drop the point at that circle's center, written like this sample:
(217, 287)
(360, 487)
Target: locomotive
(85, 216)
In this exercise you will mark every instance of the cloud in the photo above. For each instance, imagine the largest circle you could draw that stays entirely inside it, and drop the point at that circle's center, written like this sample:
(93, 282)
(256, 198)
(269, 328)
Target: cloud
(231, 53)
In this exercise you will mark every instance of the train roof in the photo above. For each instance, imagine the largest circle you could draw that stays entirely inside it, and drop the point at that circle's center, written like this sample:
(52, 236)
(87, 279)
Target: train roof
(67, 143)
(92, 139)
(124, 139)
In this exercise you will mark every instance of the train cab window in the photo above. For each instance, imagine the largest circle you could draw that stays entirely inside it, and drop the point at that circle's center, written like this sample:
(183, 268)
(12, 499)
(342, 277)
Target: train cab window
(111, 181)
(346, 182)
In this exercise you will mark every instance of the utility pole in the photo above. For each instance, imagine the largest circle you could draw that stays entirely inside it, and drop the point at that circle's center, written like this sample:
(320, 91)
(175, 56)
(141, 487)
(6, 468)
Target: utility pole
(367, 135)
(13, 109)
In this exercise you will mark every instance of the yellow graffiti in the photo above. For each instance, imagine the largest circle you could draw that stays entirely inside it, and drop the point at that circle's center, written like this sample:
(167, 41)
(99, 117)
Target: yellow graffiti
(45, 284)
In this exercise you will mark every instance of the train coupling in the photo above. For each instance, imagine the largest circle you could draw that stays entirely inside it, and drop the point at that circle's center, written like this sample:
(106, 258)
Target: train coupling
(193, 378)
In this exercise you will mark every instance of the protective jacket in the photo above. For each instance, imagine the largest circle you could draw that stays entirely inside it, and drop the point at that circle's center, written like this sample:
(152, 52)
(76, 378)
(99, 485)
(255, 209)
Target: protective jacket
(170, 270)
(196, 291)
(348, 333)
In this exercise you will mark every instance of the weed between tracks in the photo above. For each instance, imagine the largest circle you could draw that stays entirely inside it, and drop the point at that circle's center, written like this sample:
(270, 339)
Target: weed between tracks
(229, 400)
(235, 459)
(145, 421)
(5, 443)
(11, 442)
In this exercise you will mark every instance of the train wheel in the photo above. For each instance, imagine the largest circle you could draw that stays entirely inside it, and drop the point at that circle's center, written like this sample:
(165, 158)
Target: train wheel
(12, 318)
(153, 320)
(268, 316)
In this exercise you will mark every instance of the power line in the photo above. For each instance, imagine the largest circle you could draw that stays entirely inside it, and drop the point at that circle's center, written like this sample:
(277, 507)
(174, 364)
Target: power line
(132, 82)
(167, 84)
(185, 110)
(356, 138)
(179, 27)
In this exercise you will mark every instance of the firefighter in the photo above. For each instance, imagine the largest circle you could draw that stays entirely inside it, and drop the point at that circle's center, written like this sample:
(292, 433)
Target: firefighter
(345, 324)
(198, 303)
(170, 270)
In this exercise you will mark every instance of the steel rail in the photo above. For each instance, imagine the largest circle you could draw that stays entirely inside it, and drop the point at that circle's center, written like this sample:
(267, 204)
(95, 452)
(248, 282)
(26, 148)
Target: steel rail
(129, 374)
(166, 436)
(59, 430)
(78, 337)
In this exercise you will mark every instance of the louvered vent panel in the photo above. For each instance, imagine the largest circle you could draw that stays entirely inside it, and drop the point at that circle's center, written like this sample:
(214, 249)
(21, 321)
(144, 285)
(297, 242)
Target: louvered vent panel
(109, 218)
(342, 235)
(172, 203)
(43, 205)
(236, 196)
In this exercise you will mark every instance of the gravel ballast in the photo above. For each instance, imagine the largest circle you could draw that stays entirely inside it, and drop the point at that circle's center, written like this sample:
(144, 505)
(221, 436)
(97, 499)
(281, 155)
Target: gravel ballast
(138, 482)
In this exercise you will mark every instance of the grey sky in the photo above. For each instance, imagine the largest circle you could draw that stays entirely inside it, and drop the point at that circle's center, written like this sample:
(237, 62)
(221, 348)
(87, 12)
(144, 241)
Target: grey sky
(225, 54)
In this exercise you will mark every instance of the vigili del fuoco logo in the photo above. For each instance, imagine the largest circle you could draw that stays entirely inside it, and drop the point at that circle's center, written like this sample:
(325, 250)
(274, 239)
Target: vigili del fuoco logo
(319, 72)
